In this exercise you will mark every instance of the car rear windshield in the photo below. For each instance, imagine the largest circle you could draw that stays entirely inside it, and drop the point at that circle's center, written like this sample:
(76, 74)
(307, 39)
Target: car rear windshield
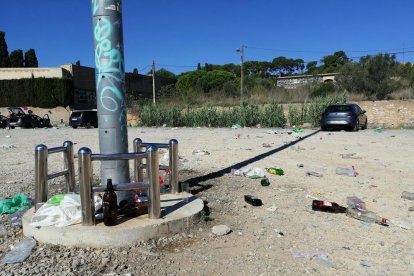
(339, 108)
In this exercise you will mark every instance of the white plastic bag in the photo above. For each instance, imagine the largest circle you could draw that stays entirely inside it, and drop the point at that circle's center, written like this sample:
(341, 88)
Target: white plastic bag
(66, 213)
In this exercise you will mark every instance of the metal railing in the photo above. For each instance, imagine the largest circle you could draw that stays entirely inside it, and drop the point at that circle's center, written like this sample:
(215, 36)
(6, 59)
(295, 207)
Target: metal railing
(142, 151)
(85, 159)
(172, 147)
(41, 170)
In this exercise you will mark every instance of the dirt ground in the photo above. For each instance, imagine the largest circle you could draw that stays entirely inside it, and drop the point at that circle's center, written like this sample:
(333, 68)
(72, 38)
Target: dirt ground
(284, 236)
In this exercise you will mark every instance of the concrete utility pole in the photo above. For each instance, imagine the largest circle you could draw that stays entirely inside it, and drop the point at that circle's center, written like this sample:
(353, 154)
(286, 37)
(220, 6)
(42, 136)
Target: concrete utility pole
(241, 50)
(153, 82)
(110, 89)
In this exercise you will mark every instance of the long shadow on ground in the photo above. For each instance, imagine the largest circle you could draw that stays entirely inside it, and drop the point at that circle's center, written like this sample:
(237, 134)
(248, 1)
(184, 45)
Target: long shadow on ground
(195, 181)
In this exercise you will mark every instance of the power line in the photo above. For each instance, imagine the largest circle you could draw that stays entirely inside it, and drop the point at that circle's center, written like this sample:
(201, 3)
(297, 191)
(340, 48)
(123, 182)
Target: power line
(177, 66)
(326, 52)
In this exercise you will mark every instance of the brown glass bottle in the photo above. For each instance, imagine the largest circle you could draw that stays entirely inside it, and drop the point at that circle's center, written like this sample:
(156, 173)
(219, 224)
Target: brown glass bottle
(109, 203)
(327, 206)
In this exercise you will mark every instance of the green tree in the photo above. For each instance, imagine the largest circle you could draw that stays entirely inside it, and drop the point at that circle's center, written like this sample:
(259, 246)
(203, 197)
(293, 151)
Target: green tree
(333, 63)
(311, 67)
(30, 59)
(371, 76)
(214, 80)
(165, 73)
(4, 53)
(16, 58)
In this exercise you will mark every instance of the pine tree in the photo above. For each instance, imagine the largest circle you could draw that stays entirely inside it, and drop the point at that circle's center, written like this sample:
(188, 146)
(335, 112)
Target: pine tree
(16, 59)
(4, 53)
(30, 59)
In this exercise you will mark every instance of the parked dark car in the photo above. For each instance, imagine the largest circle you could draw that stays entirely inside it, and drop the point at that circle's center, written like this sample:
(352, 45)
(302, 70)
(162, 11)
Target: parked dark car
(83, 118)
(18, 118)
(344, 116)
(3, 121)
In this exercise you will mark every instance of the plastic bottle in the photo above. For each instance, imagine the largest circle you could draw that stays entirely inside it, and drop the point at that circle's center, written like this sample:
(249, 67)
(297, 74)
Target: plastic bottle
(327, 206)
(366, 216)
(349, 171)
(275, 171)
(109, 204)
(253, 200)
(355, 203)
(20, 251)
(407, 195)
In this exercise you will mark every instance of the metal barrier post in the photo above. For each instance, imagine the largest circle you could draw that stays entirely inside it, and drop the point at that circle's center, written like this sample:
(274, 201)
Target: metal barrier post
(69, 165)
(154, 210)
(40, 174)
(138, 170)
(173, 160)
(85, 182)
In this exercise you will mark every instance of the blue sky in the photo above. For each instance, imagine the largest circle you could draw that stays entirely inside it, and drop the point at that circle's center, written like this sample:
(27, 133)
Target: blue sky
(183, 32)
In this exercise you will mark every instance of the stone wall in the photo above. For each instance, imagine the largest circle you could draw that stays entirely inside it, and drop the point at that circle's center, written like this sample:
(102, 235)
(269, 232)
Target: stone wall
(389, 114)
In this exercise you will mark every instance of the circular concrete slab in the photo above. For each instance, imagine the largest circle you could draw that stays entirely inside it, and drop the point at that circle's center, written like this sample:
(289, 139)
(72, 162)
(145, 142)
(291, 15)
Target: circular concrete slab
(178, 211)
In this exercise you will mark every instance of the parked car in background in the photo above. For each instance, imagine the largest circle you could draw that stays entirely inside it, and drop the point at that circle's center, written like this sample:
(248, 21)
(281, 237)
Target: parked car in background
(344, 116)
(83, 118)
(3, 121)
(18, 118)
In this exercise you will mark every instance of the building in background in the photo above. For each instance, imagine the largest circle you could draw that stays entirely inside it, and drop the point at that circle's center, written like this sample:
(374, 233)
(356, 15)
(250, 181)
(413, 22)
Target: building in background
(84, 94)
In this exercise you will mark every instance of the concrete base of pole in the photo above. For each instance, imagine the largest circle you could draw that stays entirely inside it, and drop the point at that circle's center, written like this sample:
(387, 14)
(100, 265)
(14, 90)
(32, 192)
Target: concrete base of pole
(178, 212)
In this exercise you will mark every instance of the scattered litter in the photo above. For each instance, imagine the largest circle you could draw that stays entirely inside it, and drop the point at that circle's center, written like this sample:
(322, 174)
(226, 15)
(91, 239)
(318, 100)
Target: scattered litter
(3, 231)
(200, 152)
(355, 203)
(407, 195)
(349, 171)
(378, 130)
(20, 251)
(12, 205)
(250, 172)
(236, 126)
(275, 171)
(271, 209)
(349, 156)
(322, 258)
(265, 181)
(364, 263)
(15, 219)
(220, 230)
(60, 211)
(312, 173)
(366, 216)
(253, 200)
(279, 233)
(8, 146)
(266, 145)
(312, 197)
(297, 130)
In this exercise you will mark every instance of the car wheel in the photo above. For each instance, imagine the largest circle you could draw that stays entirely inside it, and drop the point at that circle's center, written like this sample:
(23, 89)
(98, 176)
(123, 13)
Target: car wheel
(365, 125)
(356, 127)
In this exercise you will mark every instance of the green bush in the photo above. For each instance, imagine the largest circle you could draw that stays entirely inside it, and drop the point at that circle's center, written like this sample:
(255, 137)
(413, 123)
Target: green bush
(318, 106)
(245, 115)
(38, 92)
